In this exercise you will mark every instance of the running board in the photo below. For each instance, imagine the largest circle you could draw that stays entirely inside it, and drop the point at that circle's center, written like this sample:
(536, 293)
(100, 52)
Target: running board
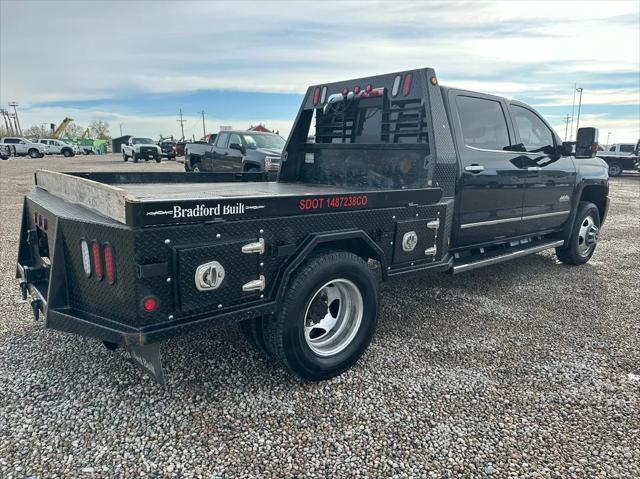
(512, 253)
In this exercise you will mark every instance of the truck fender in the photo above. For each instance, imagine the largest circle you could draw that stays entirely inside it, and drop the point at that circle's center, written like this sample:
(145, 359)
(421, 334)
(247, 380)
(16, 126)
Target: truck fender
(356, 241)
(595, 192)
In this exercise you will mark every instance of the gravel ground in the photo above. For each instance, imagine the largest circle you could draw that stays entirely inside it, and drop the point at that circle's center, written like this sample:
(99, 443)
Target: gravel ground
(527, 369)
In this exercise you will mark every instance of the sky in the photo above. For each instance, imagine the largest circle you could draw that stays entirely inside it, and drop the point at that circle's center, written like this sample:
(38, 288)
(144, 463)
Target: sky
(134, 64)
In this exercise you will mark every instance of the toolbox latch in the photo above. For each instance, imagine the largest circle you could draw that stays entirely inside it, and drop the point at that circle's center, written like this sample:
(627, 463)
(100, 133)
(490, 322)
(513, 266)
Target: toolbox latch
(252, 248)
(255, 285)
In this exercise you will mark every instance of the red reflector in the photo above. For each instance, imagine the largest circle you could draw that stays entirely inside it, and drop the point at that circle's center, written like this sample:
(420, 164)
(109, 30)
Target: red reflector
(356, 89)
(368, 88)
(345, 90)
(109, 263)
(316, 96)
(45, 224)
(149, 304)
(97, 260)
(35, 218)
(406, 86)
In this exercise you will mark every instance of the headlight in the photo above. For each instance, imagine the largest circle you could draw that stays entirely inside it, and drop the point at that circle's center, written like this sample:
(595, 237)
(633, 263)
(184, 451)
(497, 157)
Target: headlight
(271, 163)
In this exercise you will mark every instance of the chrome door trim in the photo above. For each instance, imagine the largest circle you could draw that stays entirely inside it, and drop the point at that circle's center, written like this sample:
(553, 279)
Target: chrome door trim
(508, 220)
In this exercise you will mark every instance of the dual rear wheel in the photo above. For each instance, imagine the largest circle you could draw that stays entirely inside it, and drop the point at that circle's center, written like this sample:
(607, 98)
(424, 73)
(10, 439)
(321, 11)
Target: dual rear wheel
(326, 320)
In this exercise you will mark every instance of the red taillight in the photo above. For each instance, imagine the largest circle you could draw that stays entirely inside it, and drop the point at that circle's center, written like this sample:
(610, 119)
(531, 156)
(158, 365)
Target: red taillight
(316, 96)
(97, 260)
(109, 263)
(45, 224)
(406, 85)
(149, 304)
(35, 218)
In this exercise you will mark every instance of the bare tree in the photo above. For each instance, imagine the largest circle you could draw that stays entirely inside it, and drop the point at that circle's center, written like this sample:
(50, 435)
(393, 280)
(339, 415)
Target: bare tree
(37, 131)
(100, 129)
(74, 131)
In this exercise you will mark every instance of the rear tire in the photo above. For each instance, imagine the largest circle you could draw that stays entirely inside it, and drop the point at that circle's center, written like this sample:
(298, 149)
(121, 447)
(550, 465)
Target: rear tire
(158, 160)
(134, 157)
(328, 317)
(615, 168)
(196, 168)
(110, 346)
(252, 330)
(582, 243)
(124, 157)
(67, 153)
(34, 153)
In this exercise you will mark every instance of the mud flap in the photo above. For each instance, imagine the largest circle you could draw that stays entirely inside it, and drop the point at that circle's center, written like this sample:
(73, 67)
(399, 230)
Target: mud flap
(149, 359)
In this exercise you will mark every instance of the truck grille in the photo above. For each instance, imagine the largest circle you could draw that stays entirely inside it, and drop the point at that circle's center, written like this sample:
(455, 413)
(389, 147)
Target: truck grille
(148, 150)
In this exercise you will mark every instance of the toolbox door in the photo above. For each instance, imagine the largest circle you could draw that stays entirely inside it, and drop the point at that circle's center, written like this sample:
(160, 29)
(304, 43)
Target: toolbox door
(218, 276)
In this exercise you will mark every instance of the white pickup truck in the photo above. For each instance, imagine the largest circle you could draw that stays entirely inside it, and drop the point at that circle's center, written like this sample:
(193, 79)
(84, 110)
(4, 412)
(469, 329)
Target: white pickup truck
(138, 148)
(23, 147)
(620, 157)
(59, 147)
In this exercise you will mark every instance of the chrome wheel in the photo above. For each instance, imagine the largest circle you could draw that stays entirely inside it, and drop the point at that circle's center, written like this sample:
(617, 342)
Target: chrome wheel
(587, 236)
(333, 317)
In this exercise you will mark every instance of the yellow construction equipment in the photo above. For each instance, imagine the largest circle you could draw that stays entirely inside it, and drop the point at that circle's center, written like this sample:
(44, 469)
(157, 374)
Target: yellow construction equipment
(61, 127)
(85, 134)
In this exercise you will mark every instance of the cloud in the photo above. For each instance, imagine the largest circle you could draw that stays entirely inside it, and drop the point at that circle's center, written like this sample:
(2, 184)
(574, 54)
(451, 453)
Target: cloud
(532, 50)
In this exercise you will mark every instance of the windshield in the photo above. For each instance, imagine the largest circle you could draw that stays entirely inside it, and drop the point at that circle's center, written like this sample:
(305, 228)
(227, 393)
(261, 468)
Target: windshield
(142, 141)
(263, 141)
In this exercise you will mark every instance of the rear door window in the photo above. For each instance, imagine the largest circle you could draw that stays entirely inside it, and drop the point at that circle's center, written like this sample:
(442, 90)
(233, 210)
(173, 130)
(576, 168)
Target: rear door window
(535, 135)
(483, 123)
(223, 139)
(626, 148)
(235, 138)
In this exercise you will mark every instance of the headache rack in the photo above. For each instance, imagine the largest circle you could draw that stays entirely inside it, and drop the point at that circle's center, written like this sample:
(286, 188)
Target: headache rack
(372, 120)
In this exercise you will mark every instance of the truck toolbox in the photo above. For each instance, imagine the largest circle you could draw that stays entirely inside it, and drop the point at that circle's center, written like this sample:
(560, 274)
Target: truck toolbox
(380, 178)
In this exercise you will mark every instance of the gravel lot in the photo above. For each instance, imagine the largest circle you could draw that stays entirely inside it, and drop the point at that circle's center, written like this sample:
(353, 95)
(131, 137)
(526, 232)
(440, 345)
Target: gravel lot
(527, 369)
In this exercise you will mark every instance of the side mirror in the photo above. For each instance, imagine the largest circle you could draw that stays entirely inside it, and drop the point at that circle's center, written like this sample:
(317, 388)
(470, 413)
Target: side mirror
(586, 142)
(237, 146)
(566, 149)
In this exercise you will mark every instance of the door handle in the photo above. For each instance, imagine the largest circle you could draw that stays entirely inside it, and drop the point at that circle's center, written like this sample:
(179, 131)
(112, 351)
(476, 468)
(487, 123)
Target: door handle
(474, 168)
(534, 168)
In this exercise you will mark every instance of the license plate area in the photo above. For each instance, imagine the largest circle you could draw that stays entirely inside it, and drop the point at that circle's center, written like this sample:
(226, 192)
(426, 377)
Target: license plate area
(235, 267)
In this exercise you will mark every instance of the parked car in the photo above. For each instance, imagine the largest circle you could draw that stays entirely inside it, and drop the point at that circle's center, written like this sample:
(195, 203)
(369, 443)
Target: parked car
(139, 148)
(59, 147)
(168, 149)
(421, 178)
(5, 151)
(24, 147)
(240, 151)
(620, 157)
(180, 147)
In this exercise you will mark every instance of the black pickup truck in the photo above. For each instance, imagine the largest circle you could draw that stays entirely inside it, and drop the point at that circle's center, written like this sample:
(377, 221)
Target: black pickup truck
(236, 150)
(403, 177)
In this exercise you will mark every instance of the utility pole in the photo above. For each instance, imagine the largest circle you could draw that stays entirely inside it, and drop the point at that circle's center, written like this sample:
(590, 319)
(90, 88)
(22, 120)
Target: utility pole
(579, 105)
(120, 129)
(181, 121)
(608, 135)
(573, 110)
(566, 126)
(204, 129)
(14, 104)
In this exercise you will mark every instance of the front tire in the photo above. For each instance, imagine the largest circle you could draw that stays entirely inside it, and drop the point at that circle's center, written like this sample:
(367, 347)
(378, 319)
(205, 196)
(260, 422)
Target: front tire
(584, 236)
(134, 157)
(328, 317)
(124, 157)
(67, 153)
(615, 168)
(33, 153)
(196, 168)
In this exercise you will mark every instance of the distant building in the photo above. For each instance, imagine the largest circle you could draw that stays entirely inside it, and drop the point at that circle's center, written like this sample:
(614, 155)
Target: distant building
(116, 143)
(261, 128)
